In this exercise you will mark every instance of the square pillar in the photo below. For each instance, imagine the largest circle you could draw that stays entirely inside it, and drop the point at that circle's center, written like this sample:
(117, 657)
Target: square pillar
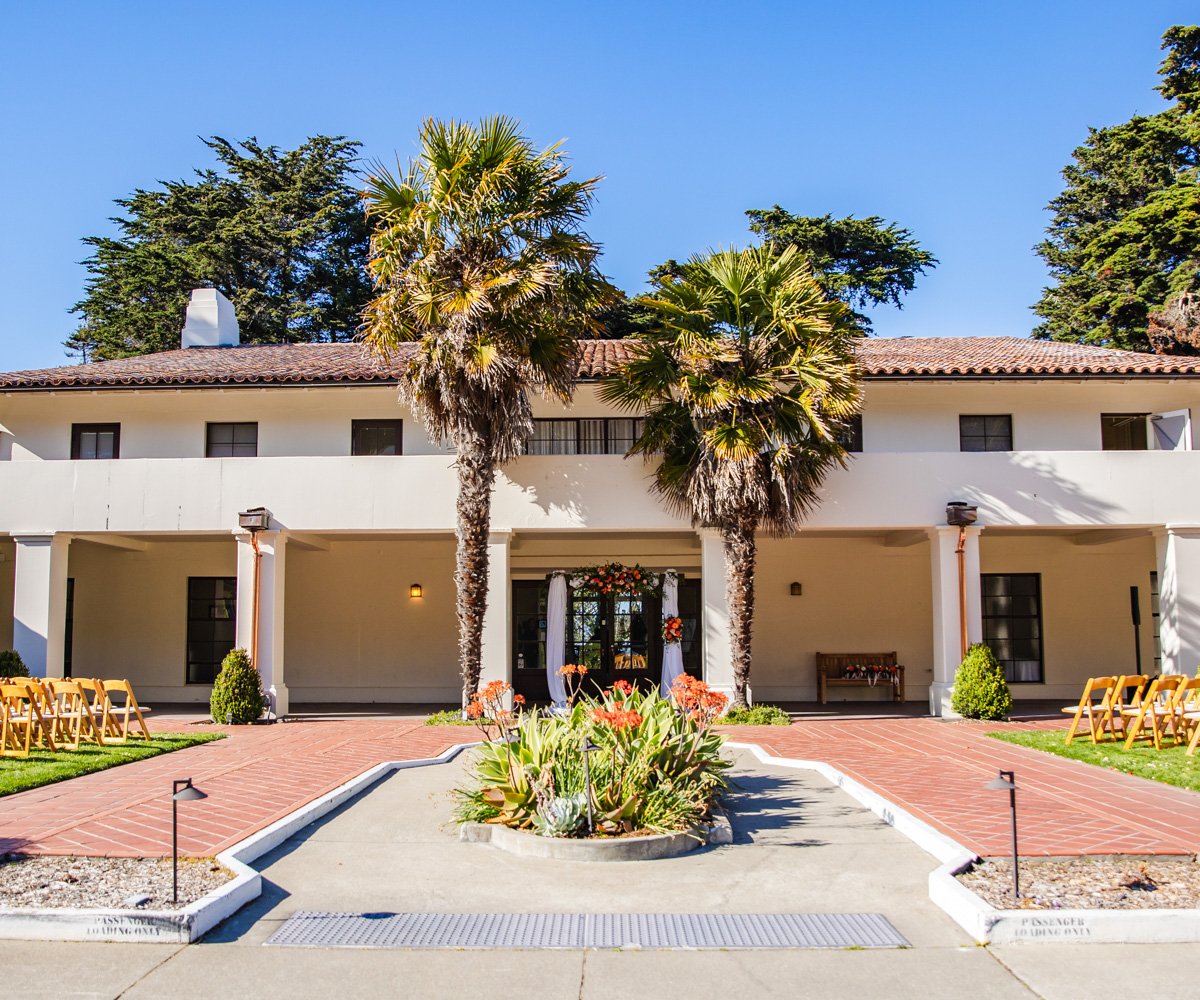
(496, 656)
(1179, 598)
(947, 622)
(272, 546)
(40, 602)
(718, 654)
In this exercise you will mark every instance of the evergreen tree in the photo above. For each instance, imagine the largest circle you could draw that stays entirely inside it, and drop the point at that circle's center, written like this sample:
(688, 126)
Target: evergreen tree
(1126, 231)
(281, 233)
(861, 262)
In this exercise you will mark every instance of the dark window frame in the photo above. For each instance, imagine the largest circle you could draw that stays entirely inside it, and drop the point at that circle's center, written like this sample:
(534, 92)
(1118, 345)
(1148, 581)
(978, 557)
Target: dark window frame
(192, 640)
(988, 437)
(607, 422)
(77, 430)
(358, 426)
(208, 440)
(1143, 417)
(1038, 617)
(851, 435)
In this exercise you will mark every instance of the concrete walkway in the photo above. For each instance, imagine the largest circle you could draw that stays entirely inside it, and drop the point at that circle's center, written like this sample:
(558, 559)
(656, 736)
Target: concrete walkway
(800, 845)
(934, 769)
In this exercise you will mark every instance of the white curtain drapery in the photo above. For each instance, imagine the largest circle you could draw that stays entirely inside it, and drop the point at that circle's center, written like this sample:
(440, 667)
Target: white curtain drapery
(672, 660)
(556, 637)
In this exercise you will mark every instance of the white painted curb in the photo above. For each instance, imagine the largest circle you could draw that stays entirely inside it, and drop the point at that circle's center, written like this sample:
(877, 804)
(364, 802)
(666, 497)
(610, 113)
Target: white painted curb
(198, 918)
(980, 919)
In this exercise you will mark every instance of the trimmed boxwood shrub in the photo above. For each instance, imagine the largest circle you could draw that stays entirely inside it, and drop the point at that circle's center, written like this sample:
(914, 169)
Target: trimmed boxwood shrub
(980, 690)
(758, 715)
(237, 695)
(11, 664)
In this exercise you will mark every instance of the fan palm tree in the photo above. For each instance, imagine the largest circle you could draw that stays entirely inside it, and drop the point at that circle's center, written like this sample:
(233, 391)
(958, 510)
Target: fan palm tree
(478, 254)
(745, 382)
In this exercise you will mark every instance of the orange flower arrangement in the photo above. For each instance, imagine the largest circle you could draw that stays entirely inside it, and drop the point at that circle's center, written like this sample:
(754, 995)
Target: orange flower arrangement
(672, 630)
(615, 578)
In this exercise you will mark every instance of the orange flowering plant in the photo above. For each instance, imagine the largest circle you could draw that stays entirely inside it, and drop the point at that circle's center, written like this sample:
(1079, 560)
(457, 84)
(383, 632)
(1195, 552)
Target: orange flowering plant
(700, 703)
(572, 675)
(653, 768)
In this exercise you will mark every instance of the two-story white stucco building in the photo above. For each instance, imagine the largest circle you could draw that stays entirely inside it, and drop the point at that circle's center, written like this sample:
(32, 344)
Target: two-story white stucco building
(121, 555)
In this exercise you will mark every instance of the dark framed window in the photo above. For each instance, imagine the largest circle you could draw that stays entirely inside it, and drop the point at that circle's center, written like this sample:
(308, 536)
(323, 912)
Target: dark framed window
(985, 432)
(69, 630)
(211, 625)
(585, 436)
(1124, 431)
(231, 440)
(1012, 623)
(851, 435)
(95, 441)
(376, 437)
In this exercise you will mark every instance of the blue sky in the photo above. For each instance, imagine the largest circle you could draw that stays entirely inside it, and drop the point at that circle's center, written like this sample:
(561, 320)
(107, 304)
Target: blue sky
(952, 119)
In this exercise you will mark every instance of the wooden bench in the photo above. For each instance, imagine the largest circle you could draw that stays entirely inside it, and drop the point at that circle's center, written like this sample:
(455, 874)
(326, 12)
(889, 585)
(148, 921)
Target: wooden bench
(832, 668)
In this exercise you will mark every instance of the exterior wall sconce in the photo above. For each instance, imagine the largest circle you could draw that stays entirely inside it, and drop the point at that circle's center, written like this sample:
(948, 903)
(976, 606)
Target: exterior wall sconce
(960, 514)
(415, 591)
(796, 589)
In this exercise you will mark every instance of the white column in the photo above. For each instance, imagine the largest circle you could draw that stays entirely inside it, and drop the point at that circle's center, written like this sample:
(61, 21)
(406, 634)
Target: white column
(40, 602)
(1179, 598)
(272, 577)
(947, 627)
(718, 654)
(497, 622)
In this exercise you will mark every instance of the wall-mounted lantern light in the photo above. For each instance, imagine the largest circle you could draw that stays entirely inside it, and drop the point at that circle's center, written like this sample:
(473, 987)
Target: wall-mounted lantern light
(796, 589)
(415, 591)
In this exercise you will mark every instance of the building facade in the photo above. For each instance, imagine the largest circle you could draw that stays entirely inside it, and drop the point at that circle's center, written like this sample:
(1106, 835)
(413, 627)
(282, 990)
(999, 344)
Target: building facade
(121, 555)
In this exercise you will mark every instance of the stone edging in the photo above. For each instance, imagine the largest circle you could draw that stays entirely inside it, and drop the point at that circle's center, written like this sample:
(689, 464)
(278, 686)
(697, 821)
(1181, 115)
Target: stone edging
(980, 919)
(198, 918)
(651, 848)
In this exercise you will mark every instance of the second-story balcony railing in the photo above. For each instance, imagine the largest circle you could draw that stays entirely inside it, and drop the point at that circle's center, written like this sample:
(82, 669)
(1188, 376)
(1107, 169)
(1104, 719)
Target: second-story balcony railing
(416, 493)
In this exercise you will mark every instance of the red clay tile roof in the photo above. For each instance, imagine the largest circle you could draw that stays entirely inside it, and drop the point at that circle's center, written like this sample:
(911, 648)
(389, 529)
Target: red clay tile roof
(323, 364)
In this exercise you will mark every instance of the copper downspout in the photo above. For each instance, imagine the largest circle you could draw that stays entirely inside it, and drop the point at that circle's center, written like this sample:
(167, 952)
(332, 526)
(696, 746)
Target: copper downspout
(962, 587)
(257, 575)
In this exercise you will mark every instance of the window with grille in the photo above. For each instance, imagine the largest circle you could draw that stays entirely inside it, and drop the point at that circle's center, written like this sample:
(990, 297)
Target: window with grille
(1123, 431)
(584, 436)
(95, 441)
(985, 433)
(1012, 623)
(231, 440)
(211, 625)
(851, 435)
(376, 437)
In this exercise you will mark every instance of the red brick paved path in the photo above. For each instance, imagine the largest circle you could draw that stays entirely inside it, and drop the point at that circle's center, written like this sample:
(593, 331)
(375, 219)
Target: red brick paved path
(935, 770)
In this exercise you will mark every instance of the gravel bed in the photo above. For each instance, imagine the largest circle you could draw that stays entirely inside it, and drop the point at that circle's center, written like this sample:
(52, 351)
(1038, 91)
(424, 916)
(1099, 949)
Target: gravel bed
(1089, 883)
(93, 883)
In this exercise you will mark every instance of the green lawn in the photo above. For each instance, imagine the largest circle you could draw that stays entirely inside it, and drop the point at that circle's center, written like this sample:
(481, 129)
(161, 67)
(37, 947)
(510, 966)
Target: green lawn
(1170, 765)
(44, 768)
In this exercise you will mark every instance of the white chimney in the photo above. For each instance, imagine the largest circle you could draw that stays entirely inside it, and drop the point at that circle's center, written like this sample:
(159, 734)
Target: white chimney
(211, 321)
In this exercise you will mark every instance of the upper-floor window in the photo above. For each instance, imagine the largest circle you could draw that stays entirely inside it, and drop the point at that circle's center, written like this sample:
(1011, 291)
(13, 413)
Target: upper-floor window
(376, 437)
(585, 436)
(95, 440)
(851, 435)
(985, 433)
(1123, 431)
(231, 440)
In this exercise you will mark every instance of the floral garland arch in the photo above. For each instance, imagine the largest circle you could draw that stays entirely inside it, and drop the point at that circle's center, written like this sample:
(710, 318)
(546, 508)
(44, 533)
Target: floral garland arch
(616, 578)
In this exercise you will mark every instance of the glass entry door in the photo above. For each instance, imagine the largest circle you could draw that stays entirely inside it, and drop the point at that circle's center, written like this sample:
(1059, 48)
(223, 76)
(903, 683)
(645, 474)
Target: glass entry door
(616, 638)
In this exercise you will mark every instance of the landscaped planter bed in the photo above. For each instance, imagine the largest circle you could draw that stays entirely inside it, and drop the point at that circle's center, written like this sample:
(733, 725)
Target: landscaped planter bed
(43, 882)
(1088, 883)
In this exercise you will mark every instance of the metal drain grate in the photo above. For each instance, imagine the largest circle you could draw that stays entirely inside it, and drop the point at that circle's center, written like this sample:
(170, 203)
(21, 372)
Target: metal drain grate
(588, 930)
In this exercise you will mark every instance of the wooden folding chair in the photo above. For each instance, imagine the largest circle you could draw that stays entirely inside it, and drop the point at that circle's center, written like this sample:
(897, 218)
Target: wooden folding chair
(21, 713)
(98, 705)
(1099, 714)
(1127, 694)
(74, 711)
(120, 713)
(47, 706)
(1156, 712)
(16, 723)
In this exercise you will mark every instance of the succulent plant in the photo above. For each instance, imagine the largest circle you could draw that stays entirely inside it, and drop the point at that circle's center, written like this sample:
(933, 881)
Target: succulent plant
(561, 816)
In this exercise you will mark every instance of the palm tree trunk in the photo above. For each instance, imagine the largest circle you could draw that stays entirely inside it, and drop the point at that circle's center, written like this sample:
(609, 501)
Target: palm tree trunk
(740, 552)
(476, 474)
